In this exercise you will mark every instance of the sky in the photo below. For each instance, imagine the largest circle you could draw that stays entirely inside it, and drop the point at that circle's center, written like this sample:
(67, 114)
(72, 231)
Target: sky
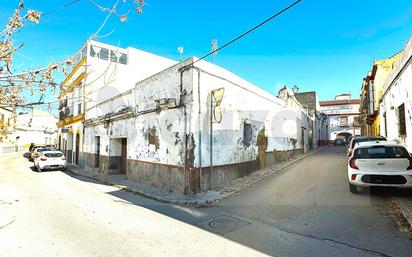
(326, 46)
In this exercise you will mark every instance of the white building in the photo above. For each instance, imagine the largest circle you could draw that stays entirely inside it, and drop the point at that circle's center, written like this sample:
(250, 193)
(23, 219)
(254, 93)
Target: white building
(37, 127)
(396, 102)
(100, 71)
(343, 113)
(159, 132)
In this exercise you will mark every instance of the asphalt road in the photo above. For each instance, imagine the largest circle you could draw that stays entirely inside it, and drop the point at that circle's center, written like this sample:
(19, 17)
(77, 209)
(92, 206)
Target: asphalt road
(306, 210)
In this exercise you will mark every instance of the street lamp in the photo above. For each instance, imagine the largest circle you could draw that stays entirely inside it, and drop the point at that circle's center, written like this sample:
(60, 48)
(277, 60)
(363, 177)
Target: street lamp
(216, 97)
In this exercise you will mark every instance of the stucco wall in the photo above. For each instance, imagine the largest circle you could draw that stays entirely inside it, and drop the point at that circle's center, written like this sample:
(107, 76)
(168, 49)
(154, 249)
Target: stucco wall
(399, 92)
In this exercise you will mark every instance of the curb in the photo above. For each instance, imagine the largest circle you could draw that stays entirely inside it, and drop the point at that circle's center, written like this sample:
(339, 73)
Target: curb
(194, 202)
(406, 211)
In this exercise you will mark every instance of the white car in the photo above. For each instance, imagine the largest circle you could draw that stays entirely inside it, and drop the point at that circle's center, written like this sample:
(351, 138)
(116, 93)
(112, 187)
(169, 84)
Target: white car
(379, 163)
(50, 160)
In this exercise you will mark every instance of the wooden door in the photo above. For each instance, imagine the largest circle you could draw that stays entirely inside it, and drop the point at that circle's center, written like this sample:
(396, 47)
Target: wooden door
(123, 161)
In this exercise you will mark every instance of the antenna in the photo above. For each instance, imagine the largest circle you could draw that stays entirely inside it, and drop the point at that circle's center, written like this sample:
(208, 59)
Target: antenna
(180, 50)
(215, 47)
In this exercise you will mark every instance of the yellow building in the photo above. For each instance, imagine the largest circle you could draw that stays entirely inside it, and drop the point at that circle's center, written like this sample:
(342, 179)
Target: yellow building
(371, 94)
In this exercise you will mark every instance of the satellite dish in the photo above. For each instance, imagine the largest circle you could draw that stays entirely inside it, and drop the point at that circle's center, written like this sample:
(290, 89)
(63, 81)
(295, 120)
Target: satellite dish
(217, 114)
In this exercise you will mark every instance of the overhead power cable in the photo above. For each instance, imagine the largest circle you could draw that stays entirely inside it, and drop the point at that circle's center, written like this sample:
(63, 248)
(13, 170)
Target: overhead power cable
(60, 7)
(249, 31)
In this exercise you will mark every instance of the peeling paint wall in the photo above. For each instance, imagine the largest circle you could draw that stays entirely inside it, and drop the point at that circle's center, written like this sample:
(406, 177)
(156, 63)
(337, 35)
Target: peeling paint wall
(242, 103)
(397, 91)
(167, 126)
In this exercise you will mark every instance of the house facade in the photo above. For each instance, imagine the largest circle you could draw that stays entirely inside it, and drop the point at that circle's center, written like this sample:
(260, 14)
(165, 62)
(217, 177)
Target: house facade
(343, 114)
(191, 128)
(37, 127)
(310, 101)
(396, 102)
(371, 94)
(99, 72)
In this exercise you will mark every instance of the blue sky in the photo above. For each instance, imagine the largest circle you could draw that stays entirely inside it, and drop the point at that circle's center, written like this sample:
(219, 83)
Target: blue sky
(326, 46)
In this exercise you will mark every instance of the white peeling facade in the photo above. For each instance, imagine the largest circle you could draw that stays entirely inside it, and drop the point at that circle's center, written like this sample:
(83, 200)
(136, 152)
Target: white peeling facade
(100, 71)
(396, 102)
(159, 132)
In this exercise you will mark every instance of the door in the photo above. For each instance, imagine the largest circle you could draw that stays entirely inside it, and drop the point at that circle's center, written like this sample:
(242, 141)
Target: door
(76, 156)
(302, 141)
(123, 160)
(97, 154)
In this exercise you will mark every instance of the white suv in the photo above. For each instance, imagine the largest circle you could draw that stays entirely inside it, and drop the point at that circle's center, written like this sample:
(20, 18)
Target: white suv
(379, 163)
(49, 160)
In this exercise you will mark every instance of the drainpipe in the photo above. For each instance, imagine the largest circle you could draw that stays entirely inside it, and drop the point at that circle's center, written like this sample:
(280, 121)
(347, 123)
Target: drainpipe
(211, 142)
(199, 132)
(182, 93)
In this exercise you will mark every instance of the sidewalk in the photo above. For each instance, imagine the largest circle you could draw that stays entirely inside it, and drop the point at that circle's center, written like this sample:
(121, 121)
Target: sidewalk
(405, 206)
(120, 182)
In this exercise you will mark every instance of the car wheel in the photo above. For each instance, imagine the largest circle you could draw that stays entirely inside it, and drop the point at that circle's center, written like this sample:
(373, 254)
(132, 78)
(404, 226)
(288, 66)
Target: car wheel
(353, 189)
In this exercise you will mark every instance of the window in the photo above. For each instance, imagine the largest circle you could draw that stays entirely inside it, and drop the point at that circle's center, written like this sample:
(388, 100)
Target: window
(343, 120)
(79, 109)
(104, 54)
(385, 124)
(113, 56)
(401, 120)
(53, 155)
(92, 51)
(123, 59)
(84, 52)
(381, 152)
(247, 134)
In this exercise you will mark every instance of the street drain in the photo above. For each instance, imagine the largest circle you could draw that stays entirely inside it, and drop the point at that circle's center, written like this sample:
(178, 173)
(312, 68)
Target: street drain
(223, 224)
(205, 205)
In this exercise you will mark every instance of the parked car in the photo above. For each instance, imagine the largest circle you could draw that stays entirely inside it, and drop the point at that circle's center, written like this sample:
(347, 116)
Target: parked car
(35, 150)
(339, 141)
(50, 160)
(359, 139)
(379, 163)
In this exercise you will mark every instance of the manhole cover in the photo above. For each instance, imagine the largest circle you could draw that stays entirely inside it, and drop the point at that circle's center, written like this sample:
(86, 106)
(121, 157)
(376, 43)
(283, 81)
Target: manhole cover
(223, 224)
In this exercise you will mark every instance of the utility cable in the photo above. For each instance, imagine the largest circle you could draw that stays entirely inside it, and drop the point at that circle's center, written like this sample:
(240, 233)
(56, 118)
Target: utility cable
(249, 31)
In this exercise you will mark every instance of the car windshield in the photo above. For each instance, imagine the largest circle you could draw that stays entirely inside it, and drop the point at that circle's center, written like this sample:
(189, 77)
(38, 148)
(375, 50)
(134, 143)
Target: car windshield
(359, 140)
(381, 152)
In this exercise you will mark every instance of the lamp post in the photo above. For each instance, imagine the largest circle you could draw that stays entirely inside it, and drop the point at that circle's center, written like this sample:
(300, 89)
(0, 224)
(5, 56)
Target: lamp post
(216, 96)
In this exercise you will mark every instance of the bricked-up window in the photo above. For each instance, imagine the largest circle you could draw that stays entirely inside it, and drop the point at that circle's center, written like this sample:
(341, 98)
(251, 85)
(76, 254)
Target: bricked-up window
(247, 134)
(401, 120)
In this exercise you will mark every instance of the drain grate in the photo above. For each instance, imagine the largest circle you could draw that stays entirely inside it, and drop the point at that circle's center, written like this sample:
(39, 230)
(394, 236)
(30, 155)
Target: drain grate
(223, 224)
(203, 206)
